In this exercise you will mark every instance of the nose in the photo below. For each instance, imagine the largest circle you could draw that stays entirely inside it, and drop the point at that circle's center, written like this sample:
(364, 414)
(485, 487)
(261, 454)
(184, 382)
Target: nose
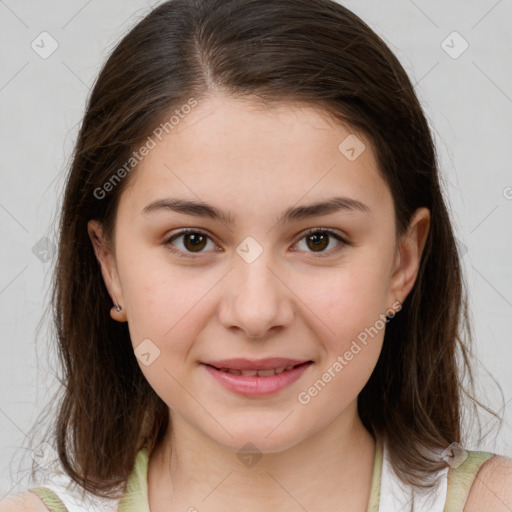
(257, 299)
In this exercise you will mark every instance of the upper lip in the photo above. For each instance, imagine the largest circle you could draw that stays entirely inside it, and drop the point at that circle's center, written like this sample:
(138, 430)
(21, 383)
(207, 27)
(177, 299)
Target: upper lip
(268, 363)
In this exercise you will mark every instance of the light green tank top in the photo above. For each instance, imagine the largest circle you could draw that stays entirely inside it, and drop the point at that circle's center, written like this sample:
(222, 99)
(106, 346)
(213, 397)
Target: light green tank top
(135, 499)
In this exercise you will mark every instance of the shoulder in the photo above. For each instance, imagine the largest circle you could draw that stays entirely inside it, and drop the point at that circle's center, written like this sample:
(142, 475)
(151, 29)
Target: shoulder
(492, 487)
(22, 502)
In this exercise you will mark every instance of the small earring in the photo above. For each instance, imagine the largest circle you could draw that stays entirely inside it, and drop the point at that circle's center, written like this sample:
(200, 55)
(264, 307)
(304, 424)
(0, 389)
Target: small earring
(117, 313)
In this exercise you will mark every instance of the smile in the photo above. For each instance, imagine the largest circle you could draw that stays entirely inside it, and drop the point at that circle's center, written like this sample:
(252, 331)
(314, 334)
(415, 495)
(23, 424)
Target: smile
(259, 373)
(255, 383)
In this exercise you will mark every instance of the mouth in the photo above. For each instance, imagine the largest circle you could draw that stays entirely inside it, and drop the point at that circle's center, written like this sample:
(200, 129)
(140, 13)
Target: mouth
(250, 380)
(260, 373)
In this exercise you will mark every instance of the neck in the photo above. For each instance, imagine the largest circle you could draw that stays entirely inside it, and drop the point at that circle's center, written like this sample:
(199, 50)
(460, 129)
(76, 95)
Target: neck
(329, 470)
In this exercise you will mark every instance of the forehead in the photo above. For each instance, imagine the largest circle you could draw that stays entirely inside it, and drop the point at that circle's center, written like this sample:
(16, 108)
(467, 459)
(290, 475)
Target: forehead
(237, 150)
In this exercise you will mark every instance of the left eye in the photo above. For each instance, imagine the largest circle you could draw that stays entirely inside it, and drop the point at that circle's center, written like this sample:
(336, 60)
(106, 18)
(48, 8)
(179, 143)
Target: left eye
(319, 238)
(194, 241)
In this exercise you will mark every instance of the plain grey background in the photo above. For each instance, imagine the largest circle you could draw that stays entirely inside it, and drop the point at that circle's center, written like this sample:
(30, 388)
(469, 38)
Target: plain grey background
(457, 55)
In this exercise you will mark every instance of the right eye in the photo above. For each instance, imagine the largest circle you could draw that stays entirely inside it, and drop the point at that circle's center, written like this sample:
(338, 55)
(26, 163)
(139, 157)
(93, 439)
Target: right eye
(193, 242)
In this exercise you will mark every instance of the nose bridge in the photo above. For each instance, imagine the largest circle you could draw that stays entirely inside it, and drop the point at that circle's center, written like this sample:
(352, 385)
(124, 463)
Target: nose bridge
(256, 280)
(252, 266)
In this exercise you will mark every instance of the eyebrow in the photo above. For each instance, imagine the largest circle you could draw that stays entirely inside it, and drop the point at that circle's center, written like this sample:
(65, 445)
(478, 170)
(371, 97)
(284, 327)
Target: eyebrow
(292, 214)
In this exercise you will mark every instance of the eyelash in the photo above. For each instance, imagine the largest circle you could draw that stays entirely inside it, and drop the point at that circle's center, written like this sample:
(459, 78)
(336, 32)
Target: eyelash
(307, 233)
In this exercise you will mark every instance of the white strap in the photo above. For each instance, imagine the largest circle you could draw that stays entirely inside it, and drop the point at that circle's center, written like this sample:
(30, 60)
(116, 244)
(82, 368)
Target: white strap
(71, 494)
(396, 497)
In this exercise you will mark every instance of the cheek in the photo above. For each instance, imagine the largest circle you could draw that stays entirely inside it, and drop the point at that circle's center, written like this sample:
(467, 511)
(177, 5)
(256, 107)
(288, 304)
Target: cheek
(343, 373)
(352, 306)
(167, 313)
(157, 292)
(349, 299)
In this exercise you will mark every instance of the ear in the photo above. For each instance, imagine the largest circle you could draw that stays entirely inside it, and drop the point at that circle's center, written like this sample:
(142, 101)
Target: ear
(408, 258)
(106, 260)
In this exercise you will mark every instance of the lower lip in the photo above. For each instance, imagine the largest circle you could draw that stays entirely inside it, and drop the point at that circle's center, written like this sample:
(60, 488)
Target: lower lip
(257, 386)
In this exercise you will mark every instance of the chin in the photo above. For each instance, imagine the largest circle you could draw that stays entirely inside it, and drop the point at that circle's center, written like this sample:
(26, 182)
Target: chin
(253, 439)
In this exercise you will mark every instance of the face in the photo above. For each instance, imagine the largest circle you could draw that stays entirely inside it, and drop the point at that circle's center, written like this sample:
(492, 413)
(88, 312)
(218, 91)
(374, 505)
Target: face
(256, 283)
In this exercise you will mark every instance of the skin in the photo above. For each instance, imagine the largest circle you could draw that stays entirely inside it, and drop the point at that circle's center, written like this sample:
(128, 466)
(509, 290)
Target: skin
(292, 301)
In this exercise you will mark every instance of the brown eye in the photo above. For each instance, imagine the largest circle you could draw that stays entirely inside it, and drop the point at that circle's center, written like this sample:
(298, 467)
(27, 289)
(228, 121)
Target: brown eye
(194, 242)
(190, 242)
(318, 239)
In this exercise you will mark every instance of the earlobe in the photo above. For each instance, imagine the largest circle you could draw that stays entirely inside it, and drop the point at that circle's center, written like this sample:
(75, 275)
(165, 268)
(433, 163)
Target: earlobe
(409, 253)
(108, 268)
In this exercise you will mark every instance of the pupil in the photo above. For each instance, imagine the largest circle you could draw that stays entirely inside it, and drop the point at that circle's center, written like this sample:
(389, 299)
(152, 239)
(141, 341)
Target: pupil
(195, 240)
(319, 240)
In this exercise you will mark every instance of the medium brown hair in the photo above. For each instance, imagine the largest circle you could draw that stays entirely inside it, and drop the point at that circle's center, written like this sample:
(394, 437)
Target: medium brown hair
(314, 52)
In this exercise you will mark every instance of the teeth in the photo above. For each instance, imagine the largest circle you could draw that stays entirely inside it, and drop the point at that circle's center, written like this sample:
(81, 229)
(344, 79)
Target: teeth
(260, 373)
(266, 373)
(249, 373)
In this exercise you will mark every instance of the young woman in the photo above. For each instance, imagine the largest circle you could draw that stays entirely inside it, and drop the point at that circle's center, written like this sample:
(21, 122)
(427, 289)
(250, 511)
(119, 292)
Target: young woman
(258, 294)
